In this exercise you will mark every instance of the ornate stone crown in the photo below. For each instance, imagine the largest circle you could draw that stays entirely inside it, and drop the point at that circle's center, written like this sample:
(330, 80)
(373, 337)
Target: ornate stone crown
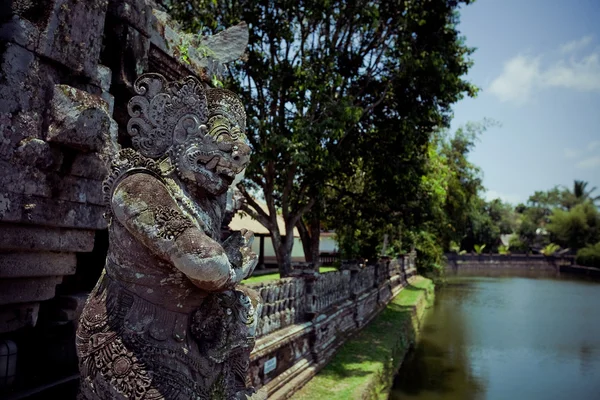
(164, 115)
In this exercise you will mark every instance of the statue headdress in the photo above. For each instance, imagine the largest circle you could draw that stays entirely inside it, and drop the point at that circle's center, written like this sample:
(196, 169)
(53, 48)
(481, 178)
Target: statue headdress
(165, 114)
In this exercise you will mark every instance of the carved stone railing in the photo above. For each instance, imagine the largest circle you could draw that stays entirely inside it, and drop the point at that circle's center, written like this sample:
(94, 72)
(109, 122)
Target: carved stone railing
(327, 290)
(362, 280)
(283, 304)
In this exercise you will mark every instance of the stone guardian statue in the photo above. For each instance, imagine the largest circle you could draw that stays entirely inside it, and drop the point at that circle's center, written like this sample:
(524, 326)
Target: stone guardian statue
(165, 320)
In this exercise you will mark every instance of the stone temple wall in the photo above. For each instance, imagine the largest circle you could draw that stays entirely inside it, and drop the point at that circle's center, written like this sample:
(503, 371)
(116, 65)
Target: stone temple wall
(66, 73)
(67, 68)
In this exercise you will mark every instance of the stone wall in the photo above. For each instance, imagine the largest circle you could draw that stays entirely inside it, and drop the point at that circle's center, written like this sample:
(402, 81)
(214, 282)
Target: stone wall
(66, 73)
(497, 261)
(337, 304)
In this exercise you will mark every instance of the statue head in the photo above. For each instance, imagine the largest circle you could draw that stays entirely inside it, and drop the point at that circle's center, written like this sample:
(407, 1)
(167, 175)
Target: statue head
(199, 131)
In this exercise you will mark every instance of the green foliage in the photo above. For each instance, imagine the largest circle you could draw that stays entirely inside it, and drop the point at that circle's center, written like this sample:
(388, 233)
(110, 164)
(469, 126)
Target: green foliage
(503, 249)
(550, 249)
(577, 227)
(335, 93)
(454, 247)
(479, 248)
(589, 256)
(517, 245)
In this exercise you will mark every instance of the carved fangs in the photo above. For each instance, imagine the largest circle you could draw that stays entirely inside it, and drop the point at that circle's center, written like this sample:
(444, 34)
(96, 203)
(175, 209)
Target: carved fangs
(212, 164)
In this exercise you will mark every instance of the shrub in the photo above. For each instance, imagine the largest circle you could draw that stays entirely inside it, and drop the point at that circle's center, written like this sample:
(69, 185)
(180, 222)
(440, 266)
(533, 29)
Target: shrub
(479, 248)
(589, 256)
(518, 245)
(550, 249)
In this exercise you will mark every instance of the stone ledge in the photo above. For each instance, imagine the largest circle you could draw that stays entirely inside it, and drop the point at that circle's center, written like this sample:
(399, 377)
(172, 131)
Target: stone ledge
(27, 290)
(37, 238)
(50, 212)
(18, 316)
(270, 343)
(23, 265)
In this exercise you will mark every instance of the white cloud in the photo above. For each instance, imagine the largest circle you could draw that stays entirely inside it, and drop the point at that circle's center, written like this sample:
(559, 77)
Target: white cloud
(571, 153)
(593, 145)
(508, 198)
(582, 75)
(517, 80)
(524, 74)
(576, 45)
(589, 163)
(587, 155)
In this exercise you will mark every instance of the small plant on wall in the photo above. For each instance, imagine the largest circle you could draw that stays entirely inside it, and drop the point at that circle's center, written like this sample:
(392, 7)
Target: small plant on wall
(479, 248)
(503, 249)
(550, 249)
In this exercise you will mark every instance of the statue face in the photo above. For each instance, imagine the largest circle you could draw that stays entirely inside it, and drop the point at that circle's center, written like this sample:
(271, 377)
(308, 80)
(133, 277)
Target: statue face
(213, 161)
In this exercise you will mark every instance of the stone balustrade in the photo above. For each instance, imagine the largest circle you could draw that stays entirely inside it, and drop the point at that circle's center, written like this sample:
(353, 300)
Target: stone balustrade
(305, 319)
(327, 290)
(283, 304)
(363, 279)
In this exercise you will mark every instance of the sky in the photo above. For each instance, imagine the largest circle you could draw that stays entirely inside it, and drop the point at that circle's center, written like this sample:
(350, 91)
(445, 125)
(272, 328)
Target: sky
(537, 65)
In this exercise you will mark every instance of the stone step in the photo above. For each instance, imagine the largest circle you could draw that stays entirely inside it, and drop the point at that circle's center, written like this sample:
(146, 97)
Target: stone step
(27, 290)
(23, 265)
(39, 238)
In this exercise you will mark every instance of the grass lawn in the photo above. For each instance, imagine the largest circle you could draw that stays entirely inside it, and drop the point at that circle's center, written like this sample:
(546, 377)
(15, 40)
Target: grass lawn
(274, 276)
(365, 364)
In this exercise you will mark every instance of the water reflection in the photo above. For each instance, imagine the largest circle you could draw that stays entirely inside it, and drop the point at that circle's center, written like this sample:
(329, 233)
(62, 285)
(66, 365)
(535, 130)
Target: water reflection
(522, 335)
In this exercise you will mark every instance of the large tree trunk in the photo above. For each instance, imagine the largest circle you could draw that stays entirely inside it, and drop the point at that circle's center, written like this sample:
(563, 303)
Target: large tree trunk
(310, 235)
(283, 246)
(306, 240)
(315, 237)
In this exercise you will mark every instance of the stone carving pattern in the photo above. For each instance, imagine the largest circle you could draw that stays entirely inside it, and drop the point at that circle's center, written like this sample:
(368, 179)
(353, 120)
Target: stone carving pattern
(328, 289)
(283, 304)
(362, 280)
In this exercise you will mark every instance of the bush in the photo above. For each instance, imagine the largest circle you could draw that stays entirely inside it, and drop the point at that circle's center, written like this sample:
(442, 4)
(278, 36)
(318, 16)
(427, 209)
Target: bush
(589, 256)
(517, 245)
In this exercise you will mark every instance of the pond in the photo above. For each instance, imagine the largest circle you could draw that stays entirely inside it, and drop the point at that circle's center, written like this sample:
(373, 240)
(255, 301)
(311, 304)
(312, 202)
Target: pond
(507, 337)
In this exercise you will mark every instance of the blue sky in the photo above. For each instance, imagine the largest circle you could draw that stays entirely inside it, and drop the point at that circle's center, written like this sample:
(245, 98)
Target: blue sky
(538, 66)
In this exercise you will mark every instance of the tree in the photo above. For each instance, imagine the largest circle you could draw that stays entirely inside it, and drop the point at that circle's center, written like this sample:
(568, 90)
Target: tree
(327, 83)
(577, 227)
(579, 194)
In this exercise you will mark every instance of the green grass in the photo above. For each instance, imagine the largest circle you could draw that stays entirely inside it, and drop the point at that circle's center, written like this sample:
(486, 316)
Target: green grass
(365, 365)
(274, 276)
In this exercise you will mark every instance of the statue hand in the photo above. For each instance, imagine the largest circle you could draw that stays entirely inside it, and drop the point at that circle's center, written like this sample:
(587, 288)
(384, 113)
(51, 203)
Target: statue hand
(249, 258)
(238, 248)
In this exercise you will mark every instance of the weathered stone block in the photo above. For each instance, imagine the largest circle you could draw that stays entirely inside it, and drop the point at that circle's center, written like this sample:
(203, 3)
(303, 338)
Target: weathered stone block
(24, 82)
(27, 290)
(22, 265)
(131, 58)
(23, 179)
(136, 13)
(18, 316)
(73, 35)
(20, 31)
(78, 119)
(103, 78)
(35, 152)
(16, 207)
(89, 165)
(80, 190)
(36, 238)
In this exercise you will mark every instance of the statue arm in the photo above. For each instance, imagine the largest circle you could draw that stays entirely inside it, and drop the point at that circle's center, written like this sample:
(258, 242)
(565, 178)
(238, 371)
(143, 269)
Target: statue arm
(145, 207)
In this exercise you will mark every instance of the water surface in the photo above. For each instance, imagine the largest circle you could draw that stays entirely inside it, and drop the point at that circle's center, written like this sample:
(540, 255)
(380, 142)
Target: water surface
(534, 336)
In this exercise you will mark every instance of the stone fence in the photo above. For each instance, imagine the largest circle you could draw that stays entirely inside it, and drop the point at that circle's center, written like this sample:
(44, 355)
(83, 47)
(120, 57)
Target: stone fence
(305, 319)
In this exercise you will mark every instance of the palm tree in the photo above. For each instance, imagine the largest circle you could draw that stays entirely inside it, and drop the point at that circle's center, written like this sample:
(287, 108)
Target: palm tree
(581, 194)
